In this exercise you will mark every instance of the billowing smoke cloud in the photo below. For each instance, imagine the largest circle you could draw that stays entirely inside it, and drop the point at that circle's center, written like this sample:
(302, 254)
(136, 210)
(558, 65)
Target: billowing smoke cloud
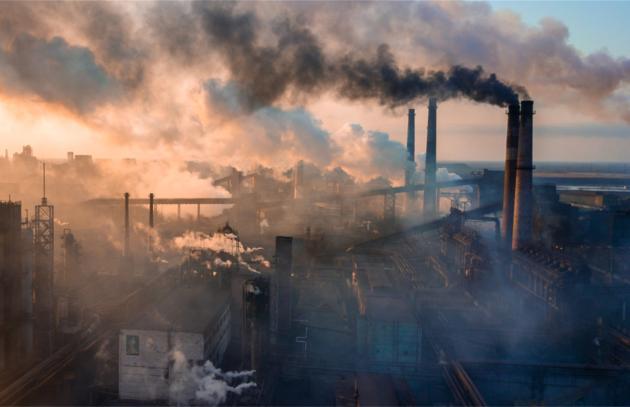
(298, 63)
(368, 153)
(218, 242)
(473, 33)
(304, 48)
(250, 258)
(109, 30)
(78, 54)
(265, 73)
(146, 74)
(205, 384)
(270, 129)
(380, 78)
(297, 134)
(57, 72)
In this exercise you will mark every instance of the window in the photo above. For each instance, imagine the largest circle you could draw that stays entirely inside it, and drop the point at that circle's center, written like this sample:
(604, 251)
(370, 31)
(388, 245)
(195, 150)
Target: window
(132, 345)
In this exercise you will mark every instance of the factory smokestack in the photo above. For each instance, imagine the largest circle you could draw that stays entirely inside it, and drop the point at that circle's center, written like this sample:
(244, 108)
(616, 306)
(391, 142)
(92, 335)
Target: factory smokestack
(411, 146)
(410, 164)
(126, 248)
(509, 175)
(523, 205)
(151, 196)
(430, 192)
(151, 224)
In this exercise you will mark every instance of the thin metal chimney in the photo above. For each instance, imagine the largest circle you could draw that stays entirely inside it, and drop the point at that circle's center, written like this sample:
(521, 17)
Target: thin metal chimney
(509, 174)
(411, 147)
(430, 191)
(410, 164)
(126, 248)
(151, 196)
(523, 205)
(151, 224)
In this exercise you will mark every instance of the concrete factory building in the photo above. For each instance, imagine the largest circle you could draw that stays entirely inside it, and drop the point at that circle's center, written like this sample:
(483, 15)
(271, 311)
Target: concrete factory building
(194, 321)
(388, 335)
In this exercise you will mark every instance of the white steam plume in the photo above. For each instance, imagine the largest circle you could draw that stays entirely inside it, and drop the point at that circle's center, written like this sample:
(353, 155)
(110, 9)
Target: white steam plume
(208, 383)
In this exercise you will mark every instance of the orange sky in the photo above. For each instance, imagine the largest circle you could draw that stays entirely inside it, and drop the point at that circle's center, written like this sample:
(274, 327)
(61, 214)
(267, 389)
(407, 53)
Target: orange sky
(167, 115)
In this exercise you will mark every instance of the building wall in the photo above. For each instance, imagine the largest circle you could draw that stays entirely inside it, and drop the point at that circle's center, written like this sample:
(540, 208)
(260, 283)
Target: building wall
(388, 336)
(389, 343)
(14, 312)
(217, 336)
(145, 371)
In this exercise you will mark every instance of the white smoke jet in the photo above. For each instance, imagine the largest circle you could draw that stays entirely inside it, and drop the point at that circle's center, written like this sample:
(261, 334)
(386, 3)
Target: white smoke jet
(264, 225)
(222, 264)
(248, 257)
(218, 242)
(253, 289)
(60, 223)
(149, 234)
(208, 383)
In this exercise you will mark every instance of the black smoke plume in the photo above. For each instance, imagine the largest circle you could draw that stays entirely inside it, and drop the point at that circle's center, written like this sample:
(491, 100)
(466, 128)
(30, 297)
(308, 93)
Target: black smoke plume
(296, 63)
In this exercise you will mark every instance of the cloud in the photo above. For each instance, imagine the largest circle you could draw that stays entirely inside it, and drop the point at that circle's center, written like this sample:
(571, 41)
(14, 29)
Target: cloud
(472, 33)
(57, 72)
(297, 62)
(205, 384)
(269, 135)
(368, 154)
(282, 137)
(235, 83)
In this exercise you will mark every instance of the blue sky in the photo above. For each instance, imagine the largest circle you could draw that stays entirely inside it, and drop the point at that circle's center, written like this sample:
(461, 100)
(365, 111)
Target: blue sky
(593, 25)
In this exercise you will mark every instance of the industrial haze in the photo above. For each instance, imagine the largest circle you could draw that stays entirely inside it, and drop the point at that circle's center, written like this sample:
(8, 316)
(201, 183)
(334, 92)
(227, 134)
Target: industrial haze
(239, 203)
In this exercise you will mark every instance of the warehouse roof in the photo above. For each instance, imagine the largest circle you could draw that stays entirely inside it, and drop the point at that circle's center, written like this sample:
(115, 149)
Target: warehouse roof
(185, 309)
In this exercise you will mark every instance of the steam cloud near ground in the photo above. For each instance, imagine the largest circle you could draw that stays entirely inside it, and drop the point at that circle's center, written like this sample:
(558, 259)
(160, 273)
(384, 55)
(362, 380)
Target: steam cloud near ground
(208, 384)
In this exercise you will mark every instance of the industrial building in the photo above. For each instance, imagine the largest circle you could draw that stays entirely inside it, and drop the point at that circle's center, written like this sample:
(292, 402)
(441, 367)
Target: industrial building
(388, 336)
(191, 320)
(16, 274)
(502, 284)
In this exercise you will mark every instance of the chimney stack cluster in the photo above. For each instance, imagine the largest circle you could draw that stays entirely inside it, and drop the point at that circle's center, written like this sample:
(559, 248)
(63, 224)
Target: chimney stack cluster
(430, 207)
(517, 217)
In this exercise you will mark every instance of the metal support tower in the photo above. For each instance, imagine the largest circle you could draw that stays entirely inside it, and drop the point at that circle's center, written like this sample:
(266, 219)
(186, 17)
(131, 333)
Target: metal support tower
(43, 283)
